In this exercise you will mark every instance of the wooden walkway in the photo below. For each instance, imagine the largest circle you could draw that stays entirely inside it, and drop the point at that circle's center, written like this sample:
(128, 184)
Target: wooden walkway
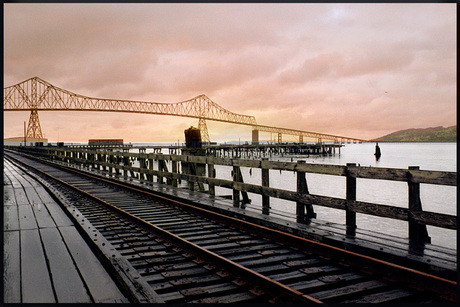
(45, 258)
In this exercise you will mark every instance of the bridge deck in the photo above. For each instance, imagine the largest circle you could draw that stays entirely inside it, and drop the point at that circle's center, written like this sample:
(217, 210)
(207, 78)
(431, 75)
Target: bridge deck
(45, 258)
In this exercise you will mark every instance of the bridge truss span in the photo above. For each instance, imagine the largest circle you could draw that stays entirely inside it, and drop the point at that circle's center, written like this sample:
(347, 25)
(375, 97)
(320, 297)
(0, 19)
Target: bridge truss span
(35, 95)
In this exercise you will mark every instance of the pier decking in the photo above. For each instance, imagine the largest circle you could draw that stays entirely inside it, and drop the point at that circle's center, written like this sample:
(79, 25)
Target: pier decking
(46, 260)
(56, 264)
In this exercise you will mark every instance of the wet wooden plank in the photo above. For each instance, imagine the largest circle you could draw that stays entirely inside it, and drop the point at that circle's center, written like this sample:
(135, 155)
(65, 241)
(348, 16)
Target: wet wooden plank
(67, 282)
(342, 292)
(229, 298)
(42, 216)
(101, 286)
(20, 195)
(10, 218)
(271, 259)
(43, 193)
(8, 196)
(35, 282)
(383, 297)
(218, 289)
(26, 217)
(32, 195)
(10, 173)
(11, 267)
(327, 281)
(59, 216)
(162, 286)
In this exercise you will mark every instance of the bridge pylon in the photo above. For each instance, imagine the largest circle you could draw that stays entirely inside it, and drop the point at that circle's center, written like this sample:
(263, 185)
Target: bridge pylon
(34, 130)
(203, 131)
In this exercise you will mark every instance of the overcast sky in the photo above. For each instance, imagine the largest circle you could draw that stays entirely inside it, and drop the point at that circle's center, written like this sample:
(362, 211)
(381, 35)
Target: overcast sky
(356, 70)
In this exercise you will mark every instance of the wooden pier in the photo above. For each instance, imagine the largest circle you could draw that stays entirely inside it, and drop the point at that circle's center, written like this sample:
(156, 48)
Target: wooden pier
(244, 151)
(199, 172)
(46, 260)
(258, 151)
(164, 173)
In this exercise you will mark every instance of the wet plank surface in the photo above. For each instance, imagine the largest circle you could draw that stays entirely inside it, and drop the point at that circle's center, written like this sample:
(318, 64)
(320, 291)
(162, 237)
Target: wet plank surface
(97, 280)
(68, 286)
(12, 265)
(45, 258)
(36, 282)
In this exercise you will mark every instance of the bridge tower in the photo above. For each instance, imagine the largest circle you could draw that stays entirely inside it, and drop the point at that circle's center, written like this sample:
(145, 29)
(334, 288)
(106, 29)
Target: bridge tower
(34, 130)
(204, 131)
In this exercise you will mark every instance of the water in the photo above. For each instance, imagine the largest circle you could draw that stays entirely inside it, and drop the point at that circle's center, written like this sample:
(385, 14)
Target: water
(428, 156)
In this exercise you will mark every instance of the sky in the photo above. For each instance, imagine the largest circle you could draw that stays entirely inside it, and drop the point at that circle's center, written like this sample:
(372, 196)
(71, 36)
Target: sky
(354, 70)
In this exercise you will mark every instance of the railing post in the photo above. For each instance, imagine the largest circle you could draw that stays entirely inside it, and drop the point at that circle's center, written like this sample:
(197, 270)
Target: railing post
(125, 165)
(265, 183)
(417, 231)
(110, 161)
(303, 212)
(211, 174)
(142, 165)
(351, 195)
(97, 158)
(117, 161)
(150, 167)
(160, 168)
(236, 193)
(104, 160)
(174, 170)
(93, 160)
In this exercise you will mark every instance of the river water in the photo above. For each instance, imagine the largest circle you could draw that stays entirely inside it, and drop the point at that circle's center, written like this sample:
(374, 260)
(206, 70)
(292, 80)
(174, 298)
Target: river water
(428, 156)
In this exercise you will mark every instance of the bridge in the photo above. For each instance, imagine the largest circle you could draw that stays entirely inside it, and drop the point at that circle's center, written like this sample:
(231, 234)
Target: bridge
(36, 94)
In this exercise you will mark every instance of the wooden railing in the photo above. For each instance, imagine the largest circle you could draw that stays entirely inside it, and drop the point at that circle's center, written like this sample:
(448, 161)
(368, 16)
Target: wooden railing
(200, 170)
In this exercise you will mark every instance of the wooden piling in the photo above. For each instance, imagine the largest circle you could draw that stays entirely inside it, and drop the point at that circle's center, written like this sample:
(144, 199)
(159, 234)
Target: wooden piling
(417, 231)
(236, 193)
(211, 174)
(350, 218)
(304, 212)
(265, 183)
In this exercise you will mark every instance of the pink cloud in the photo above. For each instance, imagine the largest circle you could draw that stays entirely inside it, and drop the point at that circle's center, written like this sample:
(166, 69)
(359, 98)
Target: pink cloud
(358, 69)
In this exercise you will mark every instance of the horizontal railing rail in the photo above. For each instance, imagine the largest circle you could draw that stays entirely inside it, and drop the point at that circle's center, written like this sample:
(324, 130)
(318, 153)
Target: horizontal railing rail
(116, 162)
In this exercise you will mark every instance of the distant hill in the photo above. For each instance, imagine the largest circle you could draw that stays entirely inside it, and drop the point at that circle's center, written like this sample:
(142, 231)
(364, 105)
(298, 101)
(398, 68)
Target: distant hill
(433, 134)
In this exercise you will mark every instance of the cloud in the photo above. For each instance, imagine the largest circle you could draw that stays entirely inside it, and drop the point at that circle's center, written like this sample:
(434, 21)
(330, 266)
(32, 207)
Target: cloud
(347, 69)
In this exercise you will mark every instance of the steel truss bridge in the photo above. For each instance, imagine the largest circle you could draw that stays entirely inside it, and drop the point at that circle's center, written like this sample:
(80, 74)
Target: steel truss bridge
(35, 95)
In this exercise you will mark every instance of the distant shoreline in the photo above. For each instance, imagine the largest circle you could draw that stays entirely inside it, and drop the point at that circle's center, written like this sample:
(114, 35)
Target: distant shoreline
(431, 135)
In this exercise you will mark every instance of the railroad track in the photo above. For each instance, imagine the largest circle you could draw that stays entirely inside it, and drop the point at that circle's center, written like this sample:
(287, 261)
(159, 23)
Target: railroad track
(191, 255)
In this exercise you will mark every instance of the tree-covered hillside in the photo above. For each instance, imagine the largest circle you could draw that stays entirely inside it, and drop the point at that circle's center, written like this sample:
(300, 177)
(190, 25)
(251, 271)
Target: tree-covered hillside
(433, 134)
